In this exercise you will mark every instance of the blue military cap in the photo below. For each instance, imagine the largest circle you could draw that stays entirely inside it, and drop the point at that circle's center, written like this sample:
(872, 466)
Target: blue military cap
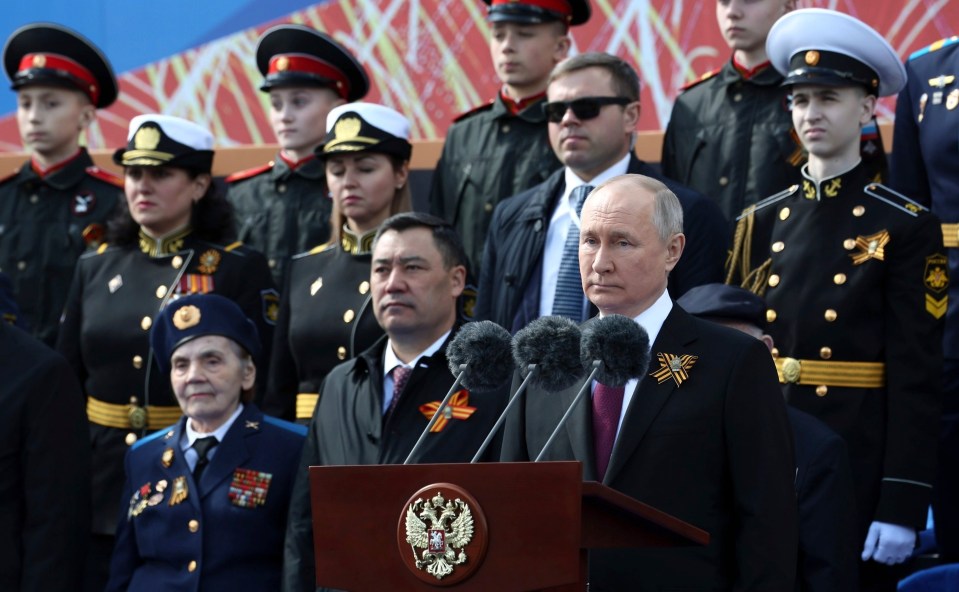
(722, 302)
(821, 46)
(197, 315)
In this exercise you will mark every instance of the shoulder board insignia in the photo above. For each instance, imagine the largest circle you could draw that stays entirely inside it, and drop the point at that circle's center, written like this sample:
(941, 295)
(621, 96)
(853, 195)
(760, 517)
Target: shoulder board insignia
(768, 201)
(102, 248)
(246, 174)
(105, 176)
(314, 250)
(935, 46)
(233, 246)
(894, 198)
(12, 174)
(474, 111)
(702, 78)
(298, 429)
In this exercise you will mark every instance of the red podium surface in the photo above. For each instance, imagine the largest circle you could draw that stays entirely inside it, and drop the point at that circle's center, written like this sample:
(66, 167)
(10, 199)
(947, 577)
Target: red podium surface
(529, 526)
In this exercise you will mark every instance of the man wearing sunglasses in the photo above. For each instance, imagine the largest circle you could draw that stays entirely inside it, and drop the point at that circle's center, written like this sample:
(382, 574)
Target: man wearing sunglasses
(501, 148)
(529, 270)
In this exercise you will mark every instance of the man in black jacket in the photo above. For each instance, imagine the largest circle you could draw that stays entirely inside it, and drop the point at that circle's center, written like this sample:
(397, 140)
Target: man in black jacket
(372, 409)
(593, 108)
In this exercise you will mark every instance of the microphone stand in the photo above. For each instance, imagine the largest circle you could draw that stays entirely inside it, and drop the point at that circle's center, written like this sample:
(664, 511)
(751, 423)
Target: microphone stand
(569, 411)
(436, 416)
(533, 368)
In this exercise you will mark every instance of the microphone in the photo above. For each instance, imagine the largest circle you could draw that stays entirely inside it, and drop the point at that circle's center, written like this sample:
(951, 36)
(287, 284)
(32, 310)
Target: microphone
(479, 357)
(616, 348)
(547, 352)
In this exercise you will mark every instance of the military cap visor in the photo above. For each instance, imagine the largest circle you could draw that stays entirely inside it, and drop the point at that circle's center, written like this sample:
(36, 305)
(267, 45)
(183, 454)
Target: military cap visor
(534, 12)
(295, 55)
(199, 315)
(164, 140)
(366, 127)
(825, 47)
(724, 303)
(49, 54)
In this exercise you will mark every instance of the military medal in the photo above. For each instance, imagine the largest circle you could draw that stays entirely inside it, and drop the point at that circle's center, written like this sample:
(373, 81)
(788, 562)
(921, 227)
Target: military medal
(180, 491)
(953, 99)
(922, 105)
(675, 367)
(209, 261)
(166, 459)
(161, 485)
(941, 81)
(937, 97)
(870, 247)
(138, 501)
(155, 499)
(249, 488)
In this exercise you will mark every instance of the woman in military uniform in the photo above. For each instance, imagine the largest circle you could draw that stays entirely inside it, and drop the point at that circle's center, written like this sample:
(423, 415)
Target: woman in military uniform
(325, 316)
(169, 240)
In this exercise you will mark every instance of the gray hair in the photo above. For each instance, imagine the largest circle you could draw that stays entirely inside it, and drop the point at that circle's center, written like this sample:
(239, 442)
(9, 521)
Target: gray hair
(667, 211)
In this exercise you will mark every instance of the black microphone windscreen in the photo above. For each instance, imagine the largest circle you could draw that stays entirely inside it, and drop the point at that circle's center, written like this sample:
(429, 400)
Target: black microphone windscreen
(484, 347)
(552, 343)
(621, 344)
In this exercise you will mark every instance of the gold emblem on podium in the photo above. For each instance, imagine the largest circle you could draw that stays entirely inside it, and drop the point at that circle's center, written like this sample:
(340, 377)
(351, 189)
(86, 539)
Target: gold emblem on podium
(437, 529)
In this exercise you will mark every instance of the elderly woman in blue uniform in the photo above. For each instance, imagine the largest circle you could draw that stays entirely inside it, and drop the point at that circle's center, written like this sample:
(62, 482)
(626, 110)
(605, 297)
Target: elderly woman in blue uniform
(171, 240)
(325, 316)
(855, 280)
(205, 502)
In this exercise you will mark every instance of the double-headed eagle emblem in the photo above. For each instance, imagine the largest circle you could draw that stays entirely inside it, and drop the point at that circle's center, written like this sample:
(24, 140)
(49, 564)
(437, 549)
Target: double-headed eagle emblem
(439, 528)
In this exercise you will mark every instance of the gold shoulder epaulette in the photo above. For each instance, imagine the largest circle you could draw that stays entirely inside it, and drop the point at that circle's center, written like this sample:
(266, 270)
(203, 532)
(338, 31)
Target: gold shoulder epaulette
(315, 250)
(895, 199)
(233, 246)
(768, 201)
(102, 248)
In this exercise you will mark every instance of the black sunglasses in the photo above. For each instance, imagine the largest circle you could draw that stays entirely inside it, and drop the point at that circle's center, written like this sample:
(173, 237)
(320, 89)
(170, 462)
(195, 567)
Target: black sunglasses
(584, 108)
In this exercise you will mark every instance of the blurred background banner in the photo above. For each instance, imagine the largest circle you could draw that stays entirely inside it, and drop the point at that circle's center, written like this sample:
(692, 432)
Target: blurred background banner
(426, 58)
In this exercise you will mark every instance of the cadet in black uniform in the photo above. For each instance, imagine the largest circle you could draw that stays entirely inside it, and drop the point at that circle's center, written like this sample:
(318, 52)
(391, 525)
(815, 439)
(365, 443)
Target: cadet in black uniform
(501, 148)
(58, 202)
(169, 241)
(855, 281)
(326, 316)
(283, 208)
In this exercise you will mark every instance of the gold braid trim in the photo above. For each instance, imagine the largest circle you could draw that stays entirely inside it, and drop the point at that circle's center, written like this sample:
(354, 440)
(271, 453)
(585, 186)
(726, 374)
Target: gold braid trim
(738, 262)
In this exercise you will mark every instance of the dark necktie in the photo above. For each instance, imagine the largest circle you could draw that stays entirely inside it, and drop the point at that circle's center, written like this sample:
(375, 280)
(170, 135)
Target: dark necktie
(203, 446)
(401, 375)
(568, 299)
(607, 405)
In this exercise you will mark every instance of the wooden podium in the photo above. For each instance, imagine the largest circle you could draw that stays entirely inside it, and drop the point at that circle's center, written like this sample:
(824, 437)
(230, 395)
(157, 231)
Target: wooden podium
(530, 526)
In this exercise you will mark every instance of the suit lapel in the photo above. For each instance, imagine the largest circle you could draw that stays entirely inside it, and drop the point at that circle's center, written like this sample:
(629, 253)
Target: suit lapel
(676, 334)
(233, 451)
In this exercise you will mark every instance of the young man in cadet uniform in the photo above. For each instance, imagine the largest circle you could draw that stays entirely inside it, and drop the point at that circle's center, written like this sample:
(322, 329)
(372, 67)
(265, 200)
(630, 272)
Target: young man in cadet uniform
(501, 148)
(855, 281)
(58, 202)
(282, 208)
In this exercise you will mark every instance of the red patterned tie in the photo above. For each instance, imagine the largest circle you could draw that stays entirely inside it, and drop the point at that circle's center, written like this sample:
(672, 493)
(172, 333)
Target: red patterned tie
(607, 405)
(401, 375)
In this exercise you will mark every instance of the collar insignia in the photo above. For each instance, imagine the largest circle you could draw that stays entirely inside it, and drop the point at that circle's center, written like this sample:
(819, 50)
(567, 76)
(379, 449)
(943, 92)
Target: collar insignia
(675, 367)
(252, 425)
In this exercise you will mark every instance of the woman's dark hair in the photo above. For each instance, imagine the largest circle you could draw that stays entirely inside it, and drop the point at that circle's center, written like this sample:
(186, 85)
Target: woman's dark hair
(211, 219)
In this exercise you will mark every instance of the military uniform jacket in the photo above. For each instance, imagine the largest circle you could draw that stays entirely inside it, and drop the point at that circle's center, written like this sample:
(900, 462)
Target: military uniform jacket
(732, 139)
(45, 225)
(223, 533)
(105, 334)
(326, 316)
(926, 152)
(713, 450)
(489, 155)
(44, 468)
(281, 212)
(348, 428)
(849, 277)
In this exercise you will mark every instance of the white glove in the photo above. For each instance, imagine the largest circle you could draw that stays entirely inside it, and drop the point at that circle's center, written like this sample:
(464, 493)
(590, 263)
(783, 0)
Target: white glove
(888, 543)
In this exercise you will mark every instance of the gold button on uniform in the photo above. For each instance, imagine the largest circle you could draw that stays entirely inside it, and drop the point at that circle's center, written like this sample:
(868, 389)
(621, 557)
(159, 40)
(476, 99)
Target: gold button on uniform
(773, 280)
(858, 211)
(770, 315)
(138, 362)
(281, 188)
(830, 315)
(21, 265)
(775, 352)
(348, 316)
(825, 353)
(364, 287)
(130, 439)
(161, 291)
(271, 263)
(146, 323)
(191, 567)
(505, 129)
(488, 207)
(839, 279)
(849, 244)
(778, 246)
(193, 525)
(783, 213)
(34, 198)
(177, 262)
(821, 390)
(341, 352)
(737, 97)
(723, 181)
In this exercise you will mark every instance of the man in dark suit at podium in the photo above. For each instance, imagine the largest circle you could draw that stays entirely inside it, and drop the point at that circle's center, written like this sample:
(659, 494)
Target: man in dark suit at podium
(703, 436)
